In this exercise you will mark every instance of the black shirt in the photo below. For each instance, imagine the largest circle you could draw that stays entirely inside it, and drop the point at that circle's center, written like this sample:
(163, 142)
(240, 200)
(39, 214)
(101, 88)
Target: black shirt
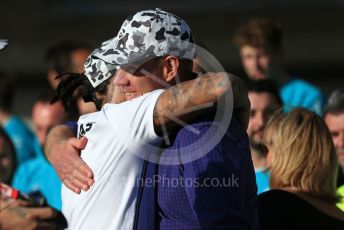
(278, 209)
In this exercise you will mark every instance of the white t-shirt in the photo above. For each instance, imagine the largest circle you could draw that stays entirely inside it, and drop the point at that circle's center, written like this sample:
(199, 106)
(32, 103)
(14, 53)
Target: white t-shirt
(114, 135)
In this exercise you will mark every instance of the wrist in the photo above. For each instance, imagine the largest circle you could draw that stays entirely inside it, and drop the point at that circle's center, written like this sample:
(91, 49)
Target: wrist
(56, 136)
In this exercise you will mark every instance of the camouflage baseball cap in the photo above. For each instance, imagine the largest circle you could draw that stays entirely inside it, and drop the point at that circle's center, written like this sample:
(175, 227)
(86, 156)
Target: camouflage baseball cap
(144, 35)
(97, 70)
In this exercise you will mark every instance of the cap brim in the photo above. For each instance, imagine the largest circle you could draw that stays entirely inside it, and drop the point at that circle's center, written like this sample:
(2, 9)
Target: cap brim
(113, 53)
(97, 71)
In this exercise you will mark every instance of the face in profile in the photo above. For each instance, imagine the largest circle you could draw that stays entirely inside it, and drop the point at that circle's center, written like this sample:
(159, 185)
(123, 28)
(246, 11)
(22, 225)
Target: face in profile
(263, 106)
(256, 61)
(135, 80)
(335, 124)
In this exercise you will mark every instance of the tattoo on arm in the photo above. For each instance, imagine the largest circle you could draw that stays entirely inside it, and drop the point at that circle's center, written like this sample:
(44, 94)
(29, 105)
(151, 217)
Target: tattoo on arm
(185, 100)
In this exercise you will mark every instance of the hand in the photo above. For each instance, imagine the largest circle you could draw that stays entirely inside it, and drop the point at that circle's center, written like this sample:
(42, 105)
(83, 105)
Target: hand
(117, 94)
(6, 202)
(19, 216)
(63, 151)
(242, 105)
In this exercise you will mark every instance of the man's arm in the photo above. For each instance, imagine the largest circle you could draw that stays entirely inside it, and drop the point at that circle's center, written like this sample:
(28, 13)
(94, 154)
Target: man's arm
(63, 151)
(186, 100)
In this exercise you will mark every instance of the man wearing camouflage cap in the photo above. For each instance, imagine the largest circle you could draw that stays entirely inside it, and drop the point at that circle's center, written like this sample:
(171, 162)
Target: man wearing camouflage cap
(161, 42)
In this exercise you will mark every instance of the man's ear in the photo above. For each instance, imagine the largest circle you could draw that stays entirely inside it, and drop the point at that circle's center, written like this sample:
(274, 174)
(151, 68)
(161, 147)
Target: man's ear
(170, 68)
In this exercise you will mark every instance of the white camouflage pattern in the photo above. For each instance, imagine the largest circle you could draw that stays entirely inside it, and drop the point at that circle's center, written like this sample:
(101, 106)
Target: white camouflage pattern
(147, 34)
(97, 70)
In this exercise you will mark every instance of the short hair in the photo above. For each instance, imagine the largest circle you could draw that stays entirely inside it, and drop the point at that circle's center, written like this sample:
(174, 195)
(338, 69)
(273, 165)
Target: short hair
(45, 96)
(264, 86)
(58, 56)
(6, 92)
(304, 156)
(259, 33)
(335, 104)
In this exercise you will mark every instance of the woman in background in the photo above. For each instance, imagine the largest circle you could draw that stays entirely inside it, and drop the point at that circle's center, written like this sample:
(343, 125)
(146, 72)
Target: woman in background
(303, 174)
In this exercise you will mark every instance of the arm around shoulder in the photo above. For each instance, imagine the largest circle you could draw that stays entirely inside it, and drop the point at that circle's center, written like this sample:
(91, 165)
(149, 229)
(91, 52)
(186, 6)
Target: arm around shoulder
(188, 99)
(63, 152)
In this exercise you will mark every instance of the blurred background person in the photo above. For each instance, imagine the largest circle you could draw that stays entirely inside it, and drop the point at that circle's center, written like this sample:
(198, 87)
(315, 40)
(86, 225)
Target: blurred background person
(37, 175)
(19, 133)
(260, 46)
(334, 118)
(67, 57)
(18, 214)
(8, 161)
(265, 101)
(7, 158)
(303, 175)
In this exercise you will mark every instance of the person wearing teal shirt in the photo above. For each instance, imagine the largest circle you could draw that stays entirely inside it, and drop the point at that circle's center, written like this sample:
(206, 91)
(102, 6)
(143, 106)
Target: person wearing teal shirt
(299, 93)
(22, 138)
(265, 100)
(38, 175)
(260, 46)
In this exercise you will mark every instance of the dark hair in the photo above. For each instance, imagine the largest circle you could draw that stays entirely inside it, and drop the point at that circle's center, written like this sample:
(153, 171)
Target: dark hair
(264, 86)
(6, 92)
(45, 96)
(335, 104)
(58, 56)
(259, 33)
(74, 82)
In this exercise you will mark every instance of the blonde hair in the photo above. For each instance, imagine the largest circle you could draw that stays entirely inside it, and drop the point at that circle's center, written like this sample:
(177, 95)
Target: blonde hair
(304, 156)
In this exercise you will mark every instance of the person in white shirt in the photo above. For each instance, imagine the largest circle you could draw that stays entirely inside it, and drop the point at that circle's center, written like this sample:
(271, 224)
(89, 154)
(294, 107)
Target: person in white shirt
(115, 135)
(119, 135)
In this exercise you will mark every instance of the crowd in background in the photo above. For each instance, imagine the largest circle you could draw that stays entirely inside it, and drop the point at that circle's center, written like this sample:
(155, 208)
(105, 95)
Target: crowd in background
(296, 134)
